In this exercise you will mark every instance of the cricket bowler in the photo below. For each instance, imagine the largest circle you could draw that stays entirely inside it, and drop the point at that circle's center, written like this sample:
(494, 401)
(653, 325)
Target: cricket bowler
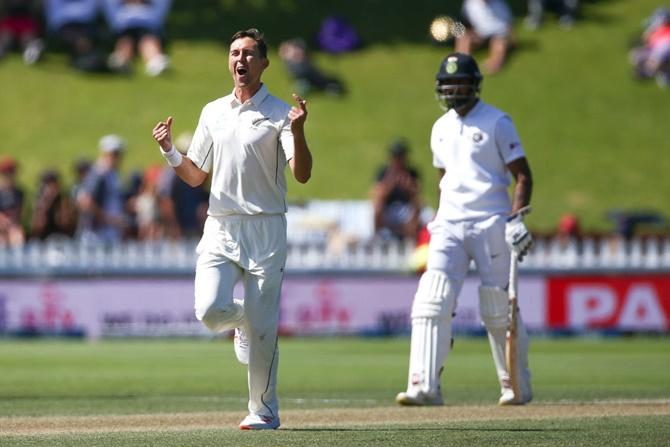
(244, 141)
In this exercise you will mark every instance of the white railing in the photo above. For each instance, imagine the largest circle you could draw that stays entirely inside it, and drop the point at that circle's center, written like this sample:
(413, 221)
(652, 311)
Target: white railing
(68, 257)
(614, 253)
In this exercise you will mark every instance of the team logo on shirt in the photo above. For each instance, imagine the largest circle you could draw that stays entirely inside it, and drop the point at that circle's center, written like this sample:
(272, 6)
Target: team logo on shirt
(477, 137)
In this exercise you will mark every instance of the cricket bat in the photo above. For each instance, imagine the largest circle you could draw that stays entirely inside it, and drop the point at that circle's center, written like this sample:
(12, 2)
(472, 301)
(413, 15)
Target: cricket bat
(511, 339)
(511, 344)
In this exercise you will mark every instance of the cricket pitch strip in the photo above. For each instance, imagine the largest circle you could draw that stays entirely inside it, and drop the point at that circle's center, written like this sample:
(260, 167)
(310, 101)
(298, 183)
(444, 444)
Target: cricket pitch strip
(333, 417)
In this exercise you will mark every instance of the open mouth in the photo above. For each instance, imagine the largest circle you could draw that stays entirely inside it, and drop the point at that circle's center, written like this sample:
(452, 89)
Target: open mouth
(241, 70)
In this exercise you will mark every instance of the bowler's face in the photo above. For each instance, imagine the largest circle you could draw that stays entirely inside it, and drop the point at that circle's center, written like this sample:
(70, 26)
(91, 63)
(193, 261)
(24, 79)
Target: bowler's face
(245, 62)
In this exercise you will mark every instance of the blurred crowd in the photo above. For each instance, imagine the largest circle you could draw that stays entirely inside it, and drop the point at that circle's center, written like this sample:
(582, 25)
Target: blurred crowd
(85, 29)
(490, 23)
(651, 58)
(109, 35)
(98, 206)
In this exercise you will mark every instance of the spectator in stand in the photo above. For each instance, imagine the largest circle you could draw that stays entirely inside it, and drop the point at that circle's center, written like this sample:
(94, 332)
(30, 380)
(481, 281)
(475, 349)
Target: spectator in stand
(146, 206)
(568, 230)
(52, 213)
(183, 208)
(138, 24)
(131, 191)
(566, 9)
(80, 170)
(418, 260)
(487, 21)
(307, 75)
(19, 27)
(100, 198)
(652, 58)
(74, 23)
(395, 196)
(11, 205)
(336, 35)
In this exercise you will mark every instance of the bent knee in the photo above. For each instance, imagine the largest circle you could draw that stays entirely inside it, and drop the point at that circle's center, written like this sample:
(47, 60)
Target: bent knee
(216, 317)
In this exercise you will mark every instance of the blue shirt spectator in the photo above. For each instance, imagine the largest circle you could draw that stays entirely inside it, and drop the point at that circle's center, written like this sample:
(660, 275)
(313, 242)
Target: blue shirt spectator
(138, 24)
(183, 207)
(100, 199)
(65, 12)
(74, 22)
(123, 15)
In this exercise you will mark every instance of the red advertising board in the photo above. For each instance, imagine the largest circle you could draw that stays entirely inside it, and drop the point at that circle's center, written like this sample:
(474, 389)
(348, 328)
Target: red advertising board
(626, 303)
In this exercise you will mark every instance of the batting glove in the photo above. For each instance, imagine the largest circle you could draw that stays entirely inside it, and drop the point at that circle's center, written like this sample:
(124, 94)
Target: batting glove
(517, 235)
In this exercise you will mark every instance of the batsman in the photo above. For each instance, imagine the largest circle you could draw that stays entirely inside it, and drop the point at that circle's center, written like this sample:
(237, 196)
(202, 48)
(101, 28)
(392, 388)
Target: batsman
(477, 150)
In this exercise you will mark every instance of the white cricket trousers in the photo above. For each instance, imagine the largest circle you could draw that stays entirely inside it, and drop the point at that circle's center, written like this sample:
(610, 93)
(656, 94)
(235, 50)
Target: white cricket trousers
(452, 247)
(251, 249)
(454, 244)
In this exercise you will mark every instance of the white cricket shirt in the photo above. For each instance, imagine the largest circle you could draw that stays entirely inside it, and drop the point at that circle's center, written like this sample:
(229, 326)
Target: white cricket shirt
(245, 147)
(474, 150)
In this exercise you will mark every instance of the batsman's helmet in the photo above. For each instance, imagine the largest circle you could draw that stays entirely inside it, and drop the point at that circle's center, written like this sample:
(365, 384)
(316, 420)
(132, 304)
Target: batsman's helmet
(458, 81)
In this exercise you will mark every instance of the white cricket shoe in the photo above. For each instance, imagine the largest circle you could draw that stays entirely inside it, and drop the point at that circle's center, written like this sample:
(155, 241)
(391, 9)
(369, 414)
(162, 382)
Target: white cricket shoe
(507, 397)
(419, 399)
(258, 422)
(241, 343)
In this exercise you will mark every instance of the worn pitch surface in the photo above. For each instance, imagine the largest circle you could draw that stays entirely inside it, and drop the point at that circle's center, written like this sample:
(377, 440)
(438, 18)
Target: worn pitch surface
(333, 417)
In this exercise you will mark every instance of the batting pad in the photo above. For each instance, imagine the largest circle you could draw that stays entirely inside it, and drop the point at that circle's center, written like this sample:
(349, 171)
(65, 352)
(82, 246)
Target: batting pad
(434, 297)
(493, 307)
(494, 311)
(431, 332)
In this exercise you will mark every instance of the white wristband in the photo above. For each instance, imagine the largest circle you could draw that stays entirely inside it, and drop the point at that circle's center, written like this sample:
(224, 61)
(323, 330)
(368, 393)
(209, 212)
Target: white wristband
(173, 156)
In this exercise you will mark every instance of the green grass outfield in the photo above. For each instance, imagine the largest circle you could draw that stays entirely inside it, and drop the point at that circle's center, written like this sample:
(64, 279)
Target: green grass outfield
(595, 391)
(596, 139)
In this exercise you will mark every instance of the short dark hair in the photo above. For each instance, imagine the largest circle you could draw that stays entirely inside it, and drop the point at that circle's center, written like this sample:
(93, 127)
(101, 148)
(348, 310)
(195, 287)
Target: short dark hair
(254, 34)
(399, 147)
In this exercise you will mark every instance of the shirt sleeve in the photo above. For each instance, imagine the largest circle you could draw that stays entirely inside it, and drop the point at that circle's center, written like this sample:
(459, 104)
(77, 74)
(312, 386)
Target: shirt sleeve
(90, 183)
(286, 139)
(202, 144)
(433, 147)
(508, 141)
